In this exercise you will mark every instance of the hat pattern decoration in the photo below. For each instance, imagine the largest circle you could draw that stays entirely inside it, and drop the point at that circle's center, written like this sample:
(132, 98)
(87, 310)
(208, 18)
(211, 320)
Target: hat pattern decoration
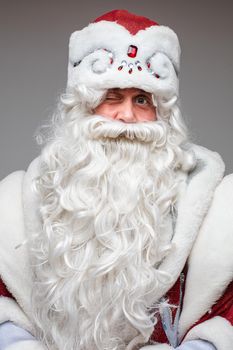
(123, 50)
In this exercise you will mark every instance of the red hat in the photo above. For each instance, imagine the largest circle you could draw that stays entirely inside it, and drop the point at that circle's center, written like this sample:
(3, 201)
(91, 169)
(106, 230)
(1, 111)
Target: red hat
(121, 49)
(130, 21)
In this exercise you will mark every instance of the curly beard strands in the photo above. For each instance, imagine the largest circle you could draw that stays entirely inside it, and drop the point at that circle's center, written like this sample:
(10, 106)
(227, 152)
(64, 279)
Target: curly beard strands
(105, 203)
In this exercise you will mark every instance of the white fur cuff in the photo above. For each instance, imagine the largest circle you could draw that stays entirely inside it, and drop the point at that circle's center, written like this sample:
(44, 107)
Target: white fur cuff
(217, 331)
(26, 345)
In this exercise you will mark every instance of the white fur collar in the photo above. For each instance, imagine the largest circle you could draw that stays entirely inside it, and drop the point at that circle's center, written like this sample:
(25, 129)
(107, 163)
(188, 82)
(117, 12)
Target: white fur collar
(192, 208)
(14, 264)
(210, 265)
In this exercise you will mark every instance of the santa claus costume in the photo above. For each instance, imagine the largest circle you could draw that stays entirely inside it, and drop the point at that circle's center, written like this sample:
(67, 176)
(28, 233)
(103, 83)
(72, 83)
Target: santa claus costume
(118, 236)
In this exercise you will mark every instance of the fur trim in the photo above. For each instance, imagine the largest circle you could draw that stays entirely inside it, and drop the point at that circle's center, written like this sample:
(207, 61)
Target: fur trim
(211, 259)
(89, 49)
(10, 311)
(217, 331)
(14, 262)
(192, 208)
(26, 345)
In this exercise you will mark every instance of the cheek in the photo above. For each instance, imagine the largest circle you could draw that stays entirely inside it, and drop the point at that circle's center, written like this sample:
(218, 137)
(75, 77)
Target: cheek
(147, 115)
(105, 111)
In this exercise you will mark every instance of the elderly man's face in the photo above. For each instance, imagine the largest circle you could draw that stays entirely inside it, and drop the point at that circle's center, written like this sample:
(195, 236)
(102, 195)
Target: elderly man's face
(127, 105)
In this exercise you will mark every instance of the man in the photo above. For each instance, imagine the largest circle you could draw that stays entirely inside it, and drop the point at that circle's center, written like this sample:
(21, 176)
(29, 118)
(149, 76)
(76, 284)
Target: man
(119, 235)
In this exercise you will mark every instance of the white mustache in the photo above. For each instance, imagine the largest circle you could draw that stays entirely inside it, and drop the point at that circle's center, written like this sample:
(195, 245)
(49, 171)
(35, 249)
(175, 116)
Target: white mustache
(99, 127)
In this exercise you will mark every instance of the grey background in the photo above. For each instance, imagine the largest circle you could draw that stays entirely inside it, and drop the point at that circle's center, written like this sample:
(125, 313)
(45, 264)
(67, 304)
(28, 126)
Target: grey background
(33, 59)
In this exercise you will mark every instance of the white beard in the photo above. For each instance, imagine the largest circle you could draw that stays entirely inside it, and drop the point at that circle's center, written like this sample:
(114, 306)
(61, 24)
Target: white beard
(105, 206)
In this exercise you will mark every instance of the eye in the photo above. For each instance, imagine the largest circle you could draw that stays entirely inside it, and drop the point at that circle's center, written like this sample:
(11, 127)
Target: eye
(142, 100)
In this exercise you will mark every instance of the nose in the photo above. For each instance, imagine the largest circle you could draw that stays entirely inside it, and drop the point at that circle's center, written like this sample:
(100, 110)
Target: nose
(126, 112)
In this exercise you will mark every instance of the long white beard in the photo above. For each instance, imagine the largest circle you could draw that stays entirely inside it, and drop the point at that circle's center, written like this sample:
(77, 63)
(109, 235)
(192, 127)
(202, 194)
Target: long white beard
(106, 194)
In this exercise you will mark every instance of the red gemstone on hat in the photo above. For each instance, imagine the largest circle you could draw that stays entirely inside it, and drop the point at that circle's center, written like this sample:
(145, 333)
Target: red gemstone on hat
(132, 51)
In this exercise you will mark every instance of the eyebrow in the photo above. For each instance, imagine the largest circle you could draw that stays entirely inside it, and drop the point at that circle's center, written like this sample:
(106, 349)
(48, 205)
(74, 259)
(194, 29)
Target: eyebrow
(118, 91)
